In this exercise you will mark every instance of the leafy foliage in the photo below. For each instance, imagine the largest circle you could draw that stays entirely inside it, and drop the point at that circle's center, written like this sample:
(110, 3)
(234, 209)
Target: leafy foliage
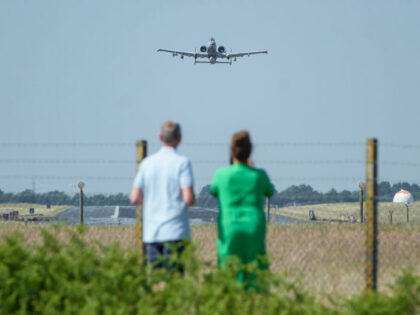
(305, 194)
(299, 194)
(61, 198)
(77, 277)
(405, 299)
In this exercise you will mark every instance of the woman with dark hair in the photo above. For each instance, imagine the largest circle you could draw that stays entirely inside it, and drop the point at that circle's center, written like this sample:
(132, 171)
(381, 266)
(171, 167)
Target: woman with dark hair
(241, 189)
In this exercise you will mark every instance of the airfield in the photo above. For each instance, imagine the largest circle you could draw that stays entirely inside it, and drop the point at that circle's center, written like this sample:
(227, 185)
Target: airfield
(334, 210)
(115, 215)
(41, 209)
(107, 215)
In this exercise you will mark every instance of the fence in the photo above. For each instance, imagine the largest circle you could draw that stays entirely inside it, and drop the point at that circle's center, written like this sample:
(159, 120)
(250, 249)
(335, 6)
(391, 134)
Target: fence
(323, 242)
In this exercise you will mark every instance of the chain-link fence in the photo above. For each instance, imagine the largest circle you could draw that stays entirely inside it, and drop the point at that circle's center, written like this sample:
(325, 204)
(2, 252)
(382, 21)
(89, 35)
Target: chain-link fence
(317, 226)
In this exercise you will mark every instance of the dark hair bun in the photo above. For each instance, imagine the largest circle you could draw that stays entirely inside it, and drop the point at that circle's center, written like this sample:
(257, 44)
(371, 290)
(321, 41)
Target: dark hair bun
(241, 146)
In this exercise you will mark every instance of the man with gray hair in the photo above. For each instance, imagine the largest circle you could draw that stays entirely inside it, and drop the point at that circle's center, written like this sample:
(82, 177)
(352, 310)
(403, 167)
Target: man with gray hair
(164, 186)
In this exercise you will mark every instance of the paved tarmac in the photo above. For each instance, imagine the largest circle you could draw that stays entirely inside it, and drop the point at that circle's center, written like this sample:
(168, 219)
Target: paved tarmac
(125, 215)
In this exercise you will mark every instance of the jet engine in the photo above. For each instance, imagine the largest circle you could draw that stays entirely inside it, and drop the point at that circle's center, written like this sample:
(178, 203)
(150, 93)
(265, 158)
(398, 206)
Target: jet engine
(221, 49)
(203, 49)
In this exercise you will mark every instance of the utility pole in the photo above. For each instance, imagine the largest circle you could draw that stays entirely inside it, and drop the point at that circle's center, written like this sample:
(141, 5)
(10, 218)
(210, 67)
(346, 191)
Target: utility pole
(372, 215)
(141, 153)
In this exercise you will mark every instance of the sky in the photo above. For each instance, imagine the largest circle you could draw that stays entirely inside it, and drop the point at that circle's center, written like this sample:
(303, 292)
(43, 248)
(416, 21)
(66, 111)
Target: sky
(87, 72)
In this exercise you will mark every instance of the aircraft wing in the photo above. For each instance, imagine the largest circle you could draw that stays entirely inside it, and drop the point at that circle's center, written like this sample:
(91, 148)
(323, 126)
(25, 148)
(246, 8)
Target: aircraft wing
(246, 54)
(182, 53)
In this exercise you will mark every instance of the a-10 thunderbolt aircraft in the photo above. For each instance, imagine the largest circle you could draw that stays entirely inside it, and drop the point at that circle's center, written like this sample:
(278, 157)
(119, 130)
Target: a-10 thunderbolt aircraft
(212, 52)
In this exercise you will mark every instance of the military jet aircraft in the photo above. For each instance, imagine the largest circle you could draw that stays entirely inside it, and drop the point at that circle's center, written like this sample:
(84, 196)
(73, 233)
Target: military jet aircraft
(212, 53)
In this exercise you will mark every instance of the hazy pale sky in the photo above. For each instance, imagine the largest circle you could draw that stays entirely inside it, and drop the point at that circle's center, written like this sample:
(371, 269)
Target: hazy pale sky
(337, 72)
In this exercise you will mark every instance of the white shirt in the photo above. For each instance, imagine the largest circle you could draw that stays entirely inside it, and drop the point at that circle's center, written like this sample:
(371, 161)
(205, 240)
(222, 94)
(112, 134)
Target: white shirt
(161, 177)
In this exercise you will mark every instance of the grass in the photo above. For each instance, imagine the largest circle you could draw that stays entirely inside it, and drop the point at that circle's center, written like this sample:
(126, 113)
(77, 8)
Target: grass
(23, 208)
(333, 211)
(329, 258)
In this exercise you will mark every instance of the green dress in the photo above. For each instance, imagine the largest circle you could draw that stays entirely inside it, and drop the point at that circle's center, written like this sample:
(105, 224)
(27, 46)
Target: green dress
(240, 190)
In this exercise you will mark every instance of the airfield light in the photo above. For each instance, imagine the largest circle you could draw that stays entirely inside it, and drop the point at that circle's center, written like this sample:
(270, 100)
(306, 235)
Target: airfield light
(81, 185)
(362, 186)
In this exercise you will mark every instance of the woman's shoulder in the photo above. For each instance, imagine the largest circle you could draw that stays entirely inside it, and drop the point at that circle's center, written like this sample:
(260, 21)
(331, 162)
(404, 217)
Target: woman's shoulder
(231, 169)
(261, 172)
(223, 170)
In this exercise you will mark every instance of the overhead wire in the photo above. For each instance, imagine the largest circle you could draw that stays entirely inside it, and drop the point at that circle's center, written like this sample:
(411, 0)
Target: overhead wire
(218, 162)
(67, 177)
(207, 143)
(191, 143)
(198, 161)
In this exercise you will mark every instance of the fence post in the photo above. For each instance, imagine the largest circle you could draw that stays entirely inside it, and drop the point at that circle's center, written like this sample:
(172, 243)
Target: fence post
(371, 208)
(81, 185)
(408, 216)
(268, 209)
(361, 187)
(141, 153)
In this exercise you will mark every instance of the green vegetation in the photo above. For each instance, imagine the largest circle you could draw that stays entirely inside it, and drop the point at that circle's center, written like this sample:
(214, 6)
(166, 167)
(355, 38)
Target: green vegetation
(73, 276)
(23, 208)
(305, 194)
(334, 210)
(301, 195)
(61, 198)
(328, 258)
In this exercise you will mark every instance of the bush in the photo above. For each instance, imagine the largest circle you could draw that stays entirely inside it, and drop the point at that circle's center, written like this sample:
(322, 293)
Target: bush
(78, 278)
(404, 298)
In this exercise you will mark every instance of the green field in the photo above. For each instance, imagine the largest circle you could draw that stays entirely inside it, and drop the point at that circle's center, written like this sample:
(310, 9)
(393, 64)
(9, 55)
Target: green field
(333, 211)
(23, 208)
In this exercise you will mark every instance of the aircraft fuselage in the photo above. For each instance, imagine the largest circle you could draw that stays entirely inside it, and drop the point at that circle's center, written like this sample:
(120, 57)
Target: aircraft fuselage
(212, 52)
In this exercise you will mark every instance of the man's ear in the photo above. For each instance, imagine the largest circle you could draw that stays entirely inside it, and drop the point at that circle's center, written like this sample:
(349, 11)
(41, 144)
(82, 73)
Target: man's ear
(160, 137)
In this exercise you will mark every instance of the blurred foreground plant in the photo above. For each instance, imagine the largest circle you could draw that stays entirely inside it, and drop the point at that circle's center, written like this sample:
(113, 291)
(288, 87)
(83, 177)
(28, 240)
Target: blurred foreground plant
(76, 277)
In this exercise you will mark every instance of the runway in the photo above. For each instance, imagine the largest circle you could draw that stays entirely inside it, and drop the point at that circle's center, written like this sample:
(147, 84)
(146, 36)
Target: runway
(125, 215)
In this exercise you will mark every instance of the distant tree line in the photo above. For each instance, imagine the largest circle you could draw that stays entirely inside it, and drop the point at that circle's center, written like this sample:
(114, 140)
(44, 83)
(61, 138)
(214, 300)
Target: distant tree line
(305, 194)
(300, 195)
(61, 198)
